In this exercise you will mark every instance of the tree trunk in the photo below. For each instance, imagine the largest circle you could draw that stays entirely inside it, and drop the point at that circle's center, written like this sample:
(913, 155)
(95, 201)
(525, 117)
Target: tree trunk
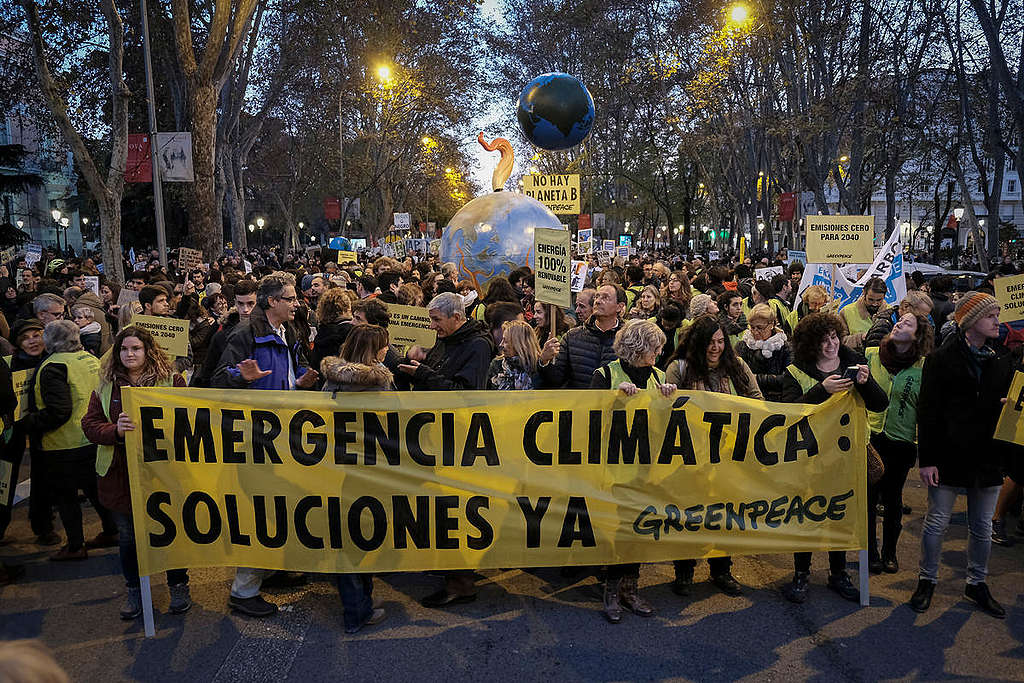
(110, 240)
(205, 225)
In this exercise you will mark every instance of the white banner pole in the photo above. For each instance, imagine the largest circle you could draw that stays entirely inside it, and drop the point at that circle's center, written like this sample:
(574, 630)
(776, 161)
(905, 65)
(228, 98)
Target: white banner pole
(147, 606)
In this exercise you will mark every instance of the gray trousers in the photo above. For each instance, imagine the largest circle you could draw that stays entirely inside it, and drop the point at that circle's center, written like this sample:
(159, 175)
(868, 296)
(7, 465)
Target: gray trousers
(981, 503)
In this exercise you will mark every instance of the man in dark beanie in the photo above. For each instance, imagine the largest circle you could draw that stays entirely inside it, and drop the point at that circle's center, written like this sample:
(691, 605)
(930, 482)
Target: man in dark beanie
(963, 384)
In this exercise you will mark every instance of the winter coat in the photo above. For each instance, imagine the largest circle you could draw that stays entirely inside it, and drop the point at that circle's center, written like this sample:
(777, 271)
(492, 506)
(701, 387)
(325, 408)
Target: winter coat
(340, 375)
(957, 412)
(767, 360)
(584, 349)
(328, 341)
(99, 315)
(874, 396)
(215, 349)
(458, 361)
(92, 338)
(114, 491)
(255, 339)
(942, 307)
(200, 333)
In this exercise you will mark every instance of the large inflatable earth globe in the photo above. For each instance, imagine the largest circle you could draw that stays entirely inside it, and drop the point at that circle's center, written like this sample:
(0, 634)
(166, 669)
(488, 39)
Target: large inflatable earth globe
(555, 111)
(493, 235)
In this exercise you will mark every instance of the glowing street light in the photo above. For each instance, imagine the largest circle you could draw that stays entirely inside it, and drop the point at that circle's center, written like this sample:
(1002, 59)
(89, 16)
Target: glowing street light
(843, 159)
(251, 227)
(449, 170)
(384, 73)
(260, 222)
(959, 213)
(739, 13)
(56, 215)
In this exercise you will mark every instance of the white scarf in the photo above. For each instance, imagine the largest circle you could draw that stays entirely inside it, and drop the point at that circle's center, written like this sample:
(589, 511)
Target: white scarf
(767, 346)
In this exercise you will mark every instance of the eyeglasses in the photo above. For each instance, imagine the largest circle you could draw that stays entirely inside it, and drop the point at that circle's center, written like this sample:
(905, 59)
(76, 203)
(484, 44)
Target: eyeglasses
(762, 328)
(289, 299)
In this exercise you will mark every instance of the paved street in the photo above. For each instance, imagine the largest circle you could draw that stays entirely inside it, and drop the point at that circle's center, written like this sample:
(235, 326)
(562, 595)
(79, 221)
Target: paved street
(530, 625)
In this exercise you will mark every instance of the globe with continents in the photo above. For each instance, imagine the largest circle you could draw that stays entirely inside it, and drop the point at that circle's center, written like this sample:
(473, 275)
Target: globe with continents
(555, 111)
(493, 235)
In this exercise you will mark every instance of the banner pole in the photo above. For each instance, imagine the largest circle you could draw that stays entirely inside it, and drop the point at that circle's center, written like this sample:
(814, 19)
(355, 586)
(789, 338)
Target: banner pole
(862, 560)
(551, 323)
(832, 284)
(147, 606)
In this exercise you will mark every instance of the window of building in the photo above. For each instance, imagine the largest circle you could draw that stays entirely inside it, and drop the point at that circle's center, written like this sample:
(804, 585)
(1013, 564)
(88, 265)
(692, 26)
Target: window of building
(1011, 186)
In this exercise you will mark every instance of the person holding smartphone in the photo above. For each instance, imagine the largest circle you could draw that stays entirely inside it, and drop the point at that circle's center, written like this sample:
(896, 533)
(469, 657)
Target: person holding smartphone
(822, 366)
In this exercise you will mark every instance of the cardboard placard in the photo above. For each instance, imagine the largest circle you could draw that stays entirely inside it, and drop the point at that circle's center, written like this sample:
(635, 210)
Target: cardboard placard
(170, 333)
(768, 273)
(21, 380)
(127, 296)
(558, 192)
(840, 239)
(608, 245)
(93, 283)
(583, 248)
(347, 257)
(712, 255)
(604, 258)
(551, 265)
(622, 253)
(578, 277)
(410, 326)
(190, 259)
(1010, 293)
(1010, 426)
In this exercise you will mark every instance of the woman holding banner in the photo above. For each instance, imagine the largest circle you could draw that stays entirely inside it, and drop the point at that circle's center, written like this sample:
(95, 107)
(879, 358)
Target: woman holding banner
(637, 345)
(135, 360)
(704, 361)
(359, 366)
(822, 366)
(896, 365)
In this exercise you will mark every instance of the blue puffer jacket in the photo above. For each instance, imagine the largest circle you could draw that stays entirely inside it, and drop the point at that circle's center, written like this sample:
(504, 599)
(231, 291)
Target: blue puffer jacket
(255, 339)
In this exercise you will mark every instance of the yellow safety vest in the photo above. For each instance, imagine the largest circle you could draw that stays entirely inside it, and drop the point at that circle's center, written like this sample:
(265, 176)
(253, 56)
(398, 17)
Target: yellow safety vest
(803, 379)
(105, 454)
(618, 376)
(83, 370)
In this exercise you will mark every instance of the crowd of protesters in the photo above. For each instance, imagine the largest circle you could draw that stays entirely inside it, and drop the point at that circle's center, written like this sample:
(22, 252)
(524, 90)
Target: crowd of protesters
(931, 369)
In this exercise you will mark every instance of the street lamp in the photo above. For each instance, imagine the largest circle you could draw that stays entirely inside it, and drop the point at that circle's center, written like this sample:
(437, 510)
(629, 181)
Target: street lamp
(739, 13)
(21, 224)
(260, 222)
(64, 222)
(56, 215)
(384, 73)
(251, 227)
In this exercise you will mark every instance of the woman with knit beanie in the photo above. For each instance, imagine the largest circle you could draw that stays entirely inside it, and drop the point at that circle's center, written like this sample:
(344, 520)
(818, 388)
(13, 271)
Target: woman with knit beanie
(963, 384)
(896, 365)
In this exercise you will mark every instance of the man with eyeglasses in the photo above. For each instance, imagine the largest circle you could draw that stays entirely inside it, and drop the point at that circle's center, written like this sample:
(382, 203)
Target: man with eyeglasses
(263, 352)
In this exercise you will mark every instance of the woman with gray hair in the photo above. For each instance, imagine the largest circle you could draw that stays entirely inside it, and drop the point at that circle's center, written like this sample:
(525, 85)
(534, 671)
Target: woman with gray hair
(637, 346)
(57, 400)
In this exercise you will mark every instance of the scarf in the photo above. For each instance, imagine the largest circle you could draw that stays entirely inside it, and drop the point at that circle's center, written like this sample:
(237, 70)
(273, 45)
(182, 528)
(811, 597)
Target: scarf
(512, 376)
(768, 346)
(893, 360)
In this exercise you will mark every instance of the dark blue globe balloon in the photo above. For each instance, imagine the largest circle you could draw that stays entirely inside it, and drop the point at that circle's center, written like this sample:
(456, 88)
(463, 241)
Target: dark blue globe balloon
(555, 111)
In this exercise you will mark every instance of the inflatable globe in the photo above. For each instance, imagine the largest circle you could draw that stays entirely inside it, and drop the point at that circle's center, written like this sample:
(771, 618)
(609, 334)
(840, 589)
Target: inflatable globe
(340, 243)
(555, 111)
(493, 235)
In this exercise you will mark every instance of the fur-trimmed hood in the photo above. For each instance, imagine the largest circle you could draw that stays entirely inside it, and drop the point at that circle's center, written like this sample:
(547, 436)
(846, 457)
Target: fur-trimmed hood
(345, 376)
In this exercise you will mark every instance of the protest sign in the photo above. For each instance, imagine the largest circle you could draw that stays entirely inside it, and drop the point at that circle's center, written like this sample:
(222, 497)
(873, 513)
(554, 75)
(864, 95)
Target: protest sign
(583, 248)
(840, 239)
(712, 255)
(551, 265)
(585, 235)
(1010, 293)
(190, 259)
(410, 326)
(622, 253)
(435, 247)
(608, 245)
(578, 277)
(604, 258)
(347, 257)
(170, 333)
(247, 265)
(21, 379)
(1010, 426)
(399, 248)
(559, 192)
(33, 253)
(403, 221)
(93, 283)
(795, 255)
(7, 483)
(415, 481)
(888, 265)
(127, 296)
(768, 273)
(7, 255)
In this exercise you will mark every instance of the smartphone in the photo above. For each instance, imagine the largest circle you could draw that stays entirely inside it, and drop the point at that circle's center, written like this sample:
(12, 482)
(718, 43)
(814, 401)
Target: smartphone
(851, 373)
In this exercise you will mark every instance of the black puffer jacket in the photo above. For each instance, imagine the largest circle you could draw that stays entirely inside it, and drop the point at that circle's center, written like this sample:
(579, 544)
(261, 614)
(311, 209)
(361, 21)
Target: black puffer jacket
(584, 349)
(458, 361)
(957, 413)
(218, 340)
(328, 341)
(881, 325)
(769, 369)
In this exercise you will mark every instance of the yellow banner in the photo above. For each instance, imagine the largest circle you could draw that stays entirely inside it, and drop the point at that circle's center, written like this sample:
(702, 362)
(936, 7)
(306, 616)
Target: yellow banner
(21, 379)
(347, 257)
(558, 192)
(383, 481)
(1010, 293)
(1010, 426)
(840, 239)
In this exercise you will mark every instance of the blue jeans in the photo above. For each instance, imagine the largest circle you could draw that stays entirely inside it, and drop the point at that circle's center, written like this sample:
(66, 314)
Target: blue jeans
(129, 558)
(356, 591)
(981, 503)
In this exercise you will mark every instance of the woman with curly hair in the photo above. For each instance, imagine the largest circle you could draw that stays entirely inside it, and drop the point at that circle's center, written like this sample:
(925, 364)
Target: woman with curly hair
(704, 361)
(334, 320)
(135, 360)
(637, 345)
(817, 372)
(896, 365)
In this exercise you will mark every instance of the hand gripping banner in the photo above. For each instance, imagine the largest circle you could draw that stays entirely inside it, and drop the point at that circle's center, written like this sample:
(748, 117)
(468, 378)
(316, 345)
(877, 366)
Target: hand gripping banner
(486, 479)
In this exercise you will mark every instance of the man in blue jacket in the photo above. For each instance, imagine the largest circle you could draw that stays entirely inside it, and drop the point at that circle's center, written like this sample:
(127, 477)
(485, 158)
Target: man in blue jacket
(263, 353)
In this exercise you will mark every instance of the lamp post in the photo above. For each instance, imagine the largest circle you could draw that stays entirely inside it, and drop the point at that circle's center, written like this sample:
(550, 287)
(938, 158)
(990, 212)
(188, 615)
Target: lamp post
(64, 222)
(56, 214)
(260, 222)
(958, 214)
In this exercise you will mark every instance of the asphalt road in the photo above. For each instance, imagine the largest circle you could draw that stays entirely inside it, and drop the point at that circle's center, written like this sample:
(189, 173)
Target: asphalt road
(531, 625)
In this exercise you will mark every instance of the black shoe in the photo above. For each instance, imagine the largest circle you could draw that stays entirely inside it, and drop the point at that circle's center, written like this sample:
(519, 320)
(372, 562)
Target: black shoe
(796, 590)
(443, 598)
(875, 563)
(682, 584)
(841, 584)
(979, 593)
(727, 584)
(890, 565)
(999, 535)
(921, 600)
(283, 579)
(255, 606)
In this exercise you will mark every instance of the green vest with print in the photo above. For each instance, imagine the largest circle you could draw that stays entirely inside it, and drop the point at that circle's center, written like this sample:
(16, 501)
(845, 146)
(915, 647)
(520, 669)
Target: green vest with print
(105, 454)
(899, 420)
(618, 376)
(83, 370)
